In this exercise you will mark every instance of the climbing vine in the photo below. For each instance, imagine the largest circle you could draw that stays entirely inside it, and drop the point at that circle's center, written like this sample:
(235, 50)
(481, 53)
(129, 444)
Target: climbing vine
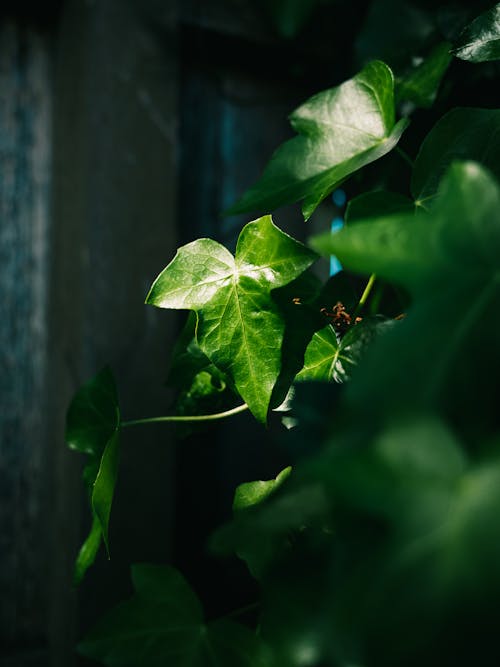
(380, 547)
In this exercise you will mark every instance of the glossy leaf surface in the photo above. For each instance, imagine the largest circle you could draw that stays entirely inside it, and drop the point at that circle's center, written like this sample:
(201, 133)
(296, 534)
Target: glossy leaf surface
(249, 494)
(240, 327)
(162, 624)
(340, 130)
(480, 41)
(329, 357)
(461, 134)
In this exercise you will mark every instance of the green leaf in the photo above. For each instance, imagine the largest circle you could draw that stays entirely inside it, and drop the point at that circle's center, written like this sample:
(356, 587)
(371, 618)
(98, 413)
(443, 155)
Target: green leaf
(93, 415)
(162, 624)
(394, 31)
(376, 204)
(104, 484)
(437, 541)
(340, 130)
(88, 551)
(448, 260)
(421, 84)
(240, 327)
(249, 494)
(329, 357)
(93, 427)
(461, 134)
(264, 531)
(480, 41)
(289, 15)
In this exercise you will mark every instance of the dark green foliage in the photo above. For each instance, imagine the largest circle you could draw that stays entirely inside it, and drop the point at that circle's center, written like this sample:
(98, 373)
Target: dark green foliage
(93, 427)
(382, 548)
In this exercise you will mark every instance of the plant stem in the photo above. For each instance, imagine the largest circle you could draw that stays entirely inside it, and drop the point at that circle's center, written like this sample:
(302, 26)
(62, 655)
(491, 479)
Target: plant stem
(243, 610)
(187, 418)
(365, 295)
(405, 156)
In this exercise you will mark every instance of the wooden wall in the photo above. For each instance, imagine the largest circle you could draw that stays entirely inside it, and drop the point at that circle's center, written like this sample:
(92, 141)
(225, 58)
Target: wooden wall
(126, 127)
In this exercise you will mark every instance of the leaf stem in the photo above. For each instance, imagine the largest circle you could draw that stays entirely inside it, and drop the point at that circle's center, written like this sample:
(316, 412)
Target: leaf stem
(187, 418)
(405, 156)
(364, 297)
(243, 610)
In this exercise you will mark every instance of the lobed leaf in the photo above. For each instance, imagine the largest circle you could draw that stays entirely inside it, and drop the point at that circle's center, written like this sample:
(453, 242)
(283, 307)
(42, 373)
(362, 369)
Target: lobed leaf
(329, 357)
(240, 327)
(461, 134)
(340, 130)
(480, 41)
(162, 624)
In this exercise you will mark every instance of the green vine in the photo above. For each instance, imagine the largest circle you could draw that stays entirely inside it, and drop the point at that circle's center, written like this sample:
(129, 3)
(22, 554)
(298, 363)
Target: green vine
(378, 546)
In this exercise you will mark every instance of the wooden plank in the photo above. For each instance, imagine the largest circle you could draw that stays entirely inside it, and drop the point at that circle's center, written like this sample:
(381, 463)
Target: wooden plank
(25, 172)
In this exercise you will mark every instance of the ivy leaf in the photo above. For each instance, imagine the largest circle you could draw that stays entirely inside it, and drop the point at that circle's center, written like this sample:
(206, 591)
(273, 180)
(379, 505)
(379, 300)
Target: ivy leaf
(249, 494)
(289, 15)
(240, 327)
(448, 260)
(394, 31)
(329, 358)
(162, 624)
(93, 427)
(480, 41)
(262, 531)
(461, 134)
(375, 204)
(202, 387)
(421, 84)
(93, 415)
(340, 130)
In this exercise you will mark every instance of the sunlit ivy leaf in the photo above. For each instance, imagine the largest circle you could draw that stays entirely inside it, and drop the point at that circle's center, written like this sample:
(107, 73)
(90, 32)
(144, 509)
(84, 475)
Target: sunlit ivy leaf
(249, 494)
(448, 260)
(240, 327)
(340, 130)
(162, 624)
(421, 84)
(461, 134)
(480, 41)
(329, 357)
(375, 204)
(92, 427)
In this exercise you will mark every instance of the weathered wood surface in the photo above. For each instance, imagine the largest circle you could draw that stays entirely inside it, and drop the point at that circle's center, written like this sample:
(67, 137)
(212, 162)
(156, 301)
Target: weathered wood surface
(25, 228)
(87, 203)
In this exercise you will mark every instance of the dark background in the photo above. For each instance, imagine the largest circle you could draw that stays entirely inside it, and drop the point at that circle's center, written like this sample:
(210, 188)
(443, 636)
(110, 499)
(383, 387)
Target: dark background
(126, 127)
